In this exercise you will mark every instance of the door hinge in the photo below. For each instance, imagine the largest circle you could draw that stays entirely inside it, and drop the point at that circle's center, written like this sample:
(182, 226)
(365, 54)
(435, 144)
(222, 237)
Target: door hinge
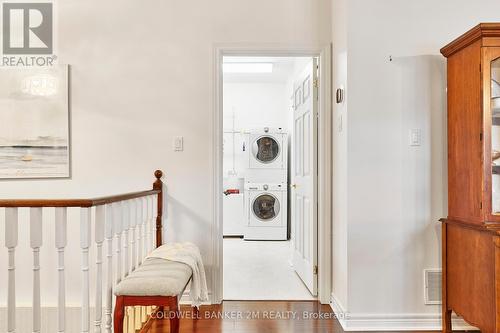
(315, 270)
(481, 136)
(316, 83)
(481, 205)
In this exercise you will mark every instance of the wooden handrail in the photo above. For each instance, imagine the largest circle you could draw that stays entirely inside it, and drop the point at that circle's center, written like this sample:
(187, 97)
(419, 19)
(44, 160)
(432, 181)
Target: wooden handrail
(84, 203)
(157, 189)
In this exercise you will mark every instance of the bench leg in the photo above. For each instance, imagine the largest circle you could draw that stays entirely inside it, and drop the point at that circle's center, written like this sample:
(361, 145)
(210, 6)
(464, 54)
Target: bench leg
(119, 315)
(174, 317)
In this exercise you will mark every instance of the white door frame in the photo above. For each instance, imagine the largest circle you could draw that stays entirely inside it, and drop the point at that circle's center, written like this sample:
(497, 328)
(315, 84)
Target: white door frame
(325, 129)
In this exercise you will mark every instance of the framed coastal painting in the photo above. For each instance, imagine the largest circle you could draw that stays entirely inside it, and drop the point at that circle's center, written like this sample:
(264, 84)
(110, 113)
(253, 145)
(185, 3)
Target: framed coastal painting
(34, 122)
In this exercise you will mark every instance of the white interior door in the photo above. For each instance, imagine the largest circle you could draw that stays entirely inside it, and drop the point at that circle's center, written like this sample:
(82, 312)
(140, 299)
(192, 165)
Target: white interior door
(304, 176)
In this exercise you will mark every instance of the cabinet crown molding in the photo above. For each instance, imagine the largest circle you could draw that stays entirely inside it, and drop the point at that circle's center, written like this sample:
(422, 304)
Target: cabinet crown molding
(480, 31)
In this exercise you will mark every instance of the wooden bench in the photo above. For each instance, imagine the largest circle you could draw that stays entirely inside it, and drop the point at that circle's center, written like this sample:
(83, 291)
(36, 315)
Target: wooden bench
(156, 282)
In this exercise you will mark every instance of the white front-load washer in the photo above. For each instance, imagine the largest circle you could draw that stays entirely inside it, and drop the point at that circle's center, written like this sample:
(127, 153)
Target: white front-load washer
(266, 207)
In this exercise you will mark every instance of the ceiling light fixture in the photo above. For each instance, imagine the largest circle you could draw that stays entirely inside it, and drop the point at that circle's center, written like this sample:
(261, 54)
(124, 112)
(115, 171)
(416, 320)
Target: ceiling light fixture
(247, 67)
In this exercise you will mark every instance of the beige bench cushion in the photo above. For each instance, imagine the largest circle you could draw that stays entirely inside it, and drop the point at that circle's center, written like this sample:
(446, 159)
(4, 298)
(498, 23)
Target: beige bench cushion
(155, 277)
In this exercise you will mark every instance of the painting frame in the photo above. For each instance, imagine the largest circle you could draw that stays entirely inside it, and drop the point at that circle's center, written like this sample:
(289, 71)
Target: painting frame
(37, 105)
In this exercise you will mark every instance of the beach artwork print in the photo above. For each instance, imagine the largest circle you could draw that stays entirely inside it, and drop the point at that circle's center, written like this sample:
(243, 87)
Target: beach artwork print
(34, 122)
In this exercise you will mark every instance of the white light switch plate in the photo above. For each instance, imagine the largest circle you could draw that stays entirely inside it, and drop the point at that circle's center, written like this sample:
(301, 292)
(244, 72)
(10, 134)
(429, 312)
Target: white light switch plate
(415, 137)
(178, 143)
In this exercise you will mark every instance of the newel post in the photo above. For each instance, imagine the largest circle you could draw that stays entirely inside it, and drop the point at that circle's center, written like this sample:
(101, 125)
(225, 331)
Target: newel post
(158, 185)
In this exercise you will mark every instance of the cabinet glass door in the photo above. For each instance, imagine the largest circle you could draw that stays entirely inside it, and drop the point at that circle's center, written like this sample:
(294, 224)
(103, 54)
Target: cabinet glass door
(495, 135)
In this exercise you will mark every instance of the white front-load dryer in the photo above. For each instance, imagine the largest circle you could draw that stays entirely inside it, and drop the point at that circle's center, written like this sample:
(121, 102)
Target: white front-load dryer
(266, 207)
(268, 149)
(267, 156)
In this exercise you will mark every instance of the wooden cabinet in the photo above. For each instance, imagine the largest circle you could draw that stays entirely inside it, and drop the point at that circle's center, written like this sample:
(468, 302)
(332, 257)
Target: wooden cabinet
(471, 232)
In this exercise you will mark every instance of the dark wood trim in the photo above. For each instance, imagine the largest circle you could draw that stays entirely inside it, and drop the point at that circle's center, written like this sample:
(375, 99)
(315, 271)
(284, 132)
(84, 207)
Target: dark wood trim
(474, 34)
(491, 227)
(165, 301)
(158, 186)
(122, 197)
(46, 203)
(85, 203)
(75, 202)
(497, 277)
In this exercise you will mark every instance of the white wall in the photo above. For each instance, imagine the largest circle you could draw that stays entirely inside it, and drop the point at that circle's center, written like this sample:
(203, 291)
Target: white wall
(256, 105)
(390, 216)
(142, 73)
(339, 179)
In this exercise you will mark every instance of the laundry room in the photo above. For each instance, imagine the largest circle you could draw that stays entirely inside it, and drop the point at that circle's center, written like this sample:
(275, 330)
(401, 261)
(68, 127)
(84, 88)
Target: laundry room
(269, 183)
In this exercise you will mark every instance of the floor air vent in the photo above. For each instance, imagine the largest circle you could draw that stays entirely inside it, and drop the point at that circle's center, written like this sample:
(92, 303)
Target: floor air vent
(433, 286)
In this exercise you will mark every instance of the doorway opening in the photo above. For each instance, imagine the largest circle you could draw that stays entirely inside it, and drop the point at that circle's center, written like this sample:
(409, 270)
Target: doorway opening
(270, 111)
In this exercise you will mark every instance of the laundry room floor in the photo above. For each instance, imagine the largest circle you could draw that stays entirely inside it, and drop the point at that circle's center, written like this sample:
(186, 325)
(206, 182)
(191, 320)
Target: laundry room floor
(261, 270)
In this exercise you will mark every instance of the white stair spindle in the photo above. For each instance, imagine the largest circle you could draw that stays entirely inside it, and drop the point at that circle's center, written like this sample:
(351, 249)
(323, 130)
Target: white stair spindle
(36, 243)
(85, 236)
(130, 235)
(61, 242)
(11, 239)
(139, 245)
(118, 224)
(150, 224)
(140, 223)
(109, 262)
(99, 239)
(147, 235)
(126, 227)
(138, 251)
(133, 225)
(146, 226)
(153, 221)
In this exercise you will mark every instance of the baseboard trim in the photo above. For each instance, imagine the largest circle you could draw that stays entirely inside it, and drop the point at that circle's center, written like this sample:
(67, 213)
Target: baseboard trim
(186, 300)
(49, 321)
(392, 322)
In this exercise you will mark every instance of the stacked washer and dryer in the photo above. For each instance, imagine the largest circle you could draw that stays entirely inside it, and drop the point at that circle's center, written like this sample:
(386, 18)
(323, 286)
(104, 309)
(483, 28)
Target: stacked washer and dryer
(266, 190)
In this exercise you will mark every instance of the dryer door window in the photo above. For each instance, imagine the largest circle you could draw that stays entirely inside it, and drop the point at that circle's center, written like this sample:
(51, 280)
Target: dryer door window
(265, 149)
(266, 207)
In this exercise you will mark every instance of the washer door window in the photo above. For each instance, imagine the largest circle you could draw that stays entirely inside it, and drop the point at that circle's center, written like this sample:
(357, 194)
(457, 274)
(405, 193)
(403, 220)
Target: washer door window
(266, 207)
(265, 149)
